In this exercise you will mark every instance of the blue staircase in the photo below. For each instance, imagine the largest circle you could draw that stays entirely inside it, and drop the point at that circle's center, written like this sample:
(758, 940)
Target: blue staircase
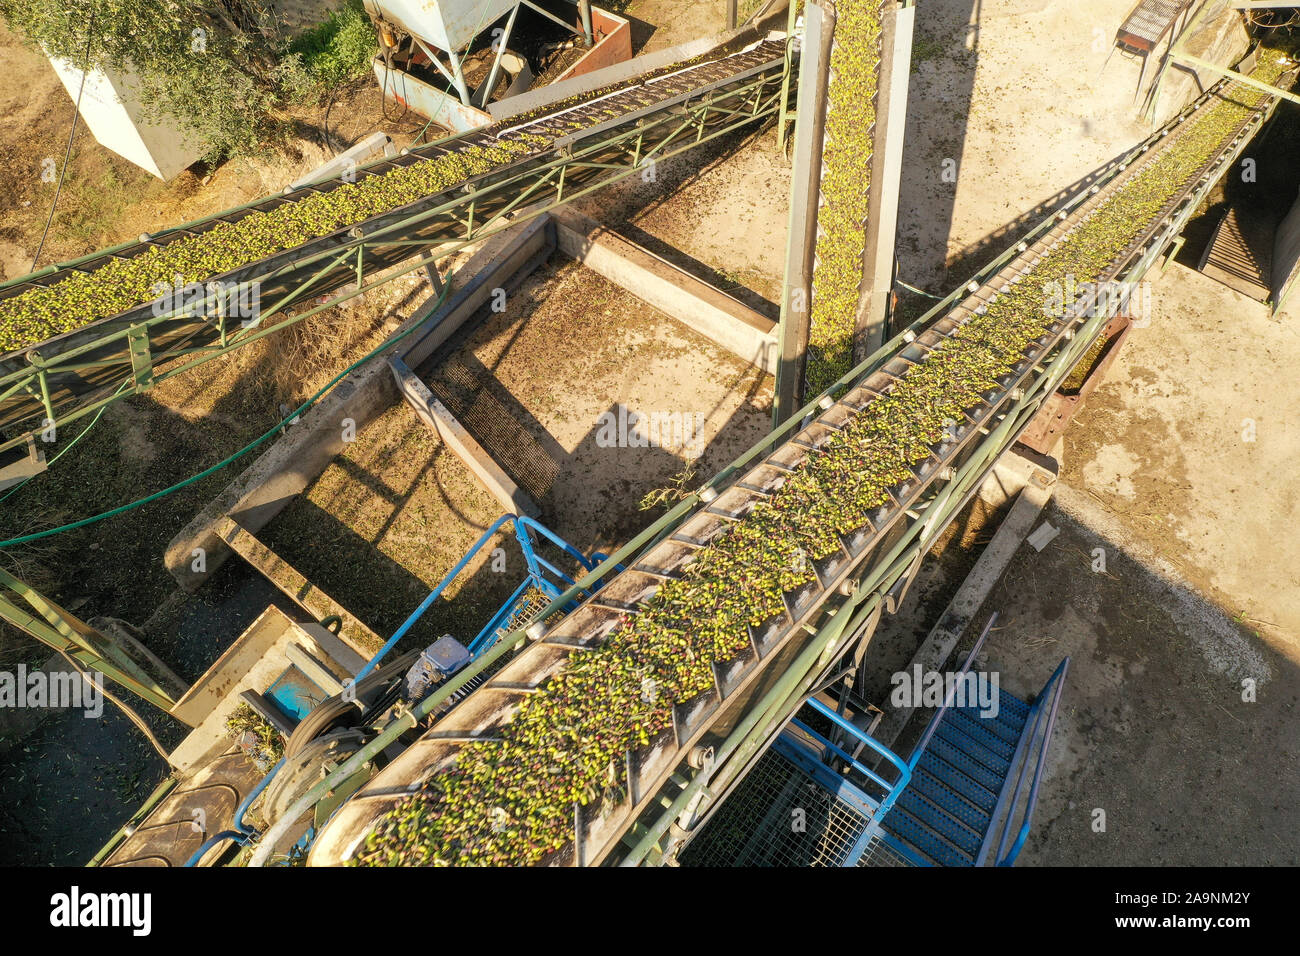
(972, 774)
(965, 797)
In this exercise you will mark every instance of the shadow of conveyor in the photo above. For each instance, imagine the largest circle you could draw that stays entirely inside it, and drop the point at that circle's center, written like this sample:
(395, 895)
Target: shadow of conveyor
(589, 494)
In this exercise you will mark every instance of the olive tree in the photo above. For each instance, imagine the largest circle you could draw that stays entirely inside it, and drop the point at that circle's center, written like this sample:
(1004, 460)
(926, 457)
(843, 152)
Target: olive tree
(212, 65)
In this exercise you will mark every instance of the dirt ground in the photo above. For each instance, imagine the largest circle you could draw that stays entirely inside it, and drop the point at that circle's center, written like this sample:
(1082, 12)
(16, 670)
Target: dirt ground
(1024, 101)
(1156, 728)
(1201, 590)
(107, 200)
(392, 515)
(722, 217)
(659, 24)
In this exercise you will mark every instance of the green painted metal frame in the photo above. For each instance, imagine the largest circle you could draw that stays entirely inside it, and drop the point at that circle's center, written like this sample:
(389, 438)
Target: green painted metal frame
(840, 622)
(59, 629)
(607, 153)
(1176, 54)
(835, 639)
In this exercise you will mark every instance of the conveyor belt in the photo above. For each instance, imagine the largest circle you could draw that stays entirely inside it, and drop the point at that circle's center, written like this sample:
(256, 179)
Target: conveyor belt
(195, 810)
(872, 563)
(591, 143)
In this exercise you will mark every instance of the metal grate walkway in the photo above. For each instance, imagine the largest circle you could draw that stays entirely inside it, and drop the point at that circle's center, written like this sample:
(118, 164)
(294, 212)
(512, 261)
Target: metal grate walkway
(779, 816)
(1148, 23)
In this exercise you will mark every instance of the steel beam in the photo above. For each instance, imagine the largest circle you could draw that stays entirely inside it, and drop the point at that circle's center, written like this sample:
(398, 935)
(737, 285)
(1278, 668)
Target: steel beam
(805, 191)
(1237, 77)
(92, 650)
(871, 325)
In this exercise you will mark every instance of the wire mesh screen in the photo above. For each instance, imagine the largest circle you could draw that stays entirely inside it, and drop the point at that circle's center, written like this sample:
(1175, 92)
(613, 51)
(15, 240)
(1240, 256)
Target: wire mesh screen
(880, 853)
(778, 816)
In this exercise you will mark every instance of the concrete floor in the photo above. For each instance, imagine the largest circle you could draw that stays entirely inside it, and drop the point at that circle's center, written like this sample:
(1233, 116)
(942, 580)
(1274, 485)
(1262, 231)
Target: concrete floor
(1201, 585)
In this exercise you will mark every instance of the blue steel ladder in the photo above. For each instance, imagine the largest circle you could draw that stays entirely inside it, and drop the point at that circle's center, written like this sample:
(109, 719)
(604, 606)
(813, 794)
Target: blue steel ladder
(969, 773)
(965, 796)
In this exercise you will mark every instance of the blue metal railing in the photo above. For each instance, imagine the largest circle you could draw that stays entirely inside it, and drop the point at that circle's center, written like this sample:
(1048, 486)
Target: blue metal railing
(538, 568)
(839, 782)
(1054, 686)
(891, 789)
(542, 574)
(919, 750)
(1031, 748)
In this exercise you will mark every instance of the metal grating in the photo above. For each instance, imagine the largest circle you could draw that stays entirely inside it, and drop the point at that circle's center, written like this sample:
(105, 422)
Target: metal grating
(493, 426)
(880, 853)
(1240, 253)
(754, 826)
(1149, 22)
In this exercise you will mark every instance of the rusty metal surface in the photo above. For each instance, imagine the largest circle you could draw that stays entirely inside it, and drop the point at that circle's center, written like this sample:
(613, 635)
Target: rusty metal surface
(1061, 406)
(1149, 21)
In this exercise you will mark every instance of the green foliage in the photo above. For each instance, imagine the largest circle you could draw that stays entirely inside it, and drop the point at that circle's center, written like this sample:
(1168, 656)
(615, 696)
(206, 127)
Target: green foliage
(208, 63)
(223, 69)
(338, 50)
(845, 187)
(510, 800)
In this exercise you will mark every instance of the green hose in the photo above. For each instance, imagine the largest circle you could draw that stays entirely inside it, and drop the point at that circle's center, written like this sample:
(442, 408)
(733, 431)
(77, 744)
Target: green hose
(255, 443)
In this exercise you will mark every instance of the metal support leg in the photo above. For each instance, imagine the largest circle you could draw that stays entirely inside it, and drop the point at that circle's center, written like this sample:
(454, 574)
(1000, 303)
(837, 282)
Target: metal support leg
(94, 651)
(499, 45)
(458, 77)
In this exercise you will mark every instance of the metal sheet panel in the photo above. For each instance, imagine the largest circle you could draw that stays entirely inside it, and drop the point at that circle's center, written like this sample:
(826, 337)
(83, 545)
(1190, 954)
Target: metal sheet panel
(446, 24)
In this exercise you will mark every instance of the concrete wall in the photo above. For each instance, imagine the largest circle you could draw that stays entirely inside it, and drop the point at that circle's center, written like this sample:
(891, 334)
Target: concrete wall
(1286, 254)
(110, 108)
(1221, 38)
(294, 461)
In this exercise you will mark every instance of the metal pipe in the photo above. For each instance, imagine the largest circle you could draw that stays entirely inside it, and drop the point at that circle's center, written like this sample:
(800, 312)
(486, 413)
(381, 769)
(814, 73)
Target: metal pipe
(433, 595)
(248, 800)
(1061, 671)
(500, 44)
(805, 188)
(212, 841)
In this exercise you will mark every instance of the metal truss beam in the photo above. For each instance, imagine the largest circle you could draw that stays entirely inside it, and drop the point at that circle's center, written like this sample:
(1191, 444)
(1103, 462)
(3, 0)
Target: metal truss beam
(128, 361)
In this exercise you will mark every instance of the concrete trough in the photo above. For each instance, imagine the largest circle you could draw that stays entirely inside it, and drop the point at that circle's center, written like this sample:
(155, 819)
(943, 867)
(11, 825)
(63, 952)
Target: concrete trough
(295, 460)
(709, 311)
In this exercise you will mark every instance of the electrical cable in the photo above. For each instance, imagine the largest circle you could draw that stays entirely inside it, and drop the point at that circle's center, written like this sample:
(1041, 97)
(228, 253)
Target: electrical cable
(230, 459)
(131, 715)
(912, 288)
(67, 153)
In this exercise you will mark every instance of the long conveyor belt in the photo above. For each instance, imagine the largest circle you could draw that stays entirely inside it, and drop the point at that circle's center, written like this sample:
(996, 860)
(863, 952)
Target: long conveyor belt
(565, 151)
(713, 736)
